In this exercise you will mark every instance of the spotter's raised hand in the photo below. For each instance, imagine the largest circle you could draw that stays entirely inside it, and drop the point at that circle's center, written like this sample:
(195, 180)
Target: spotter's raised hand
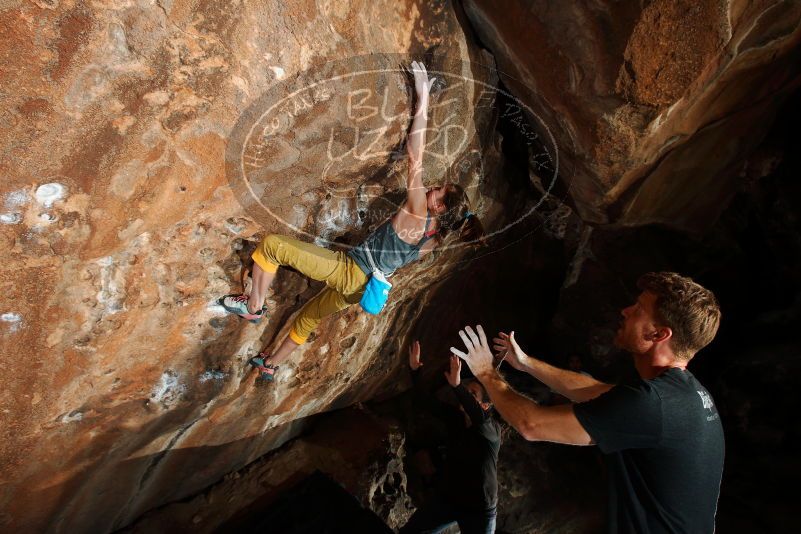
(478, 356)
(414, 356)
(453, 374)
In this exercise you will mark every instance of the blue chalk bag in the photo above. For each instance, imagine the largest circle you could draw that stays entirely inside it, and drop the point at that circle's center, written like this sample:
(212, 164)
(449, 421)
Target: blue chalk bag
(376, 292)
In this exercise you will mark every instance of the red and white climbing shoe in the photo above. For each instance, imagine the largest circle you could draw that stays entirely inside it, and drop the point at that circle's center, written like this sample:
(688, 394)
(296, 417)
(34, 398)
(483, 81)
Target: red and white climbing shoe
(238, 304)
(266, 370)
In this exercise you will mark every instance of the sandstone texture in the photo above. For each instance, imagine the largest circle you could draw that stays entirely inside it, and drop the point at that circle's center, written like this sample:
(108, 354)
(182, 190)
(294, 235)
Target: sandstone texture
(148, 145)
(125, 386)
(653, 104)
(362, 452)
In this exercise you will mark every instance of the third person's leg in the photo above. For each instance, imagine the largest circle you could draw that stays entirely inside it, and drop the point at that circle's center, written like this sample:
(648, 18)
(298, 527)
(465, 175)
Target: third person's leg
(472, 522)
(430, 518)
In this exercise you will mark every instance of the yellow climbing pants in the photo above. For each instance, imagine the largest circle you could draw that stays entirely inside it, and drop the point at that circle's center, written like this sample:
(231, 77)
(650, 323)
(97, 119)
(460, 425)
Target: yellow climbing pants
(343, 277)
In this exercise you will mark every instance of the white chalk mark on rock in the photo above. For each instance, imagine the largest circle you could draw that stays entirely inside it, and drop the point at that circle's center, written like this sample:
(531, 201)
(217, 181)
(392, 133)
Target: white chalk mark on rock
(212, 375)
(112, 286)
(169, 389)
(13, 319)
(234, 227)
(47, 194)
(16, 199)
(216, 309)
(279, 72)
(334, 218)
(71, 417)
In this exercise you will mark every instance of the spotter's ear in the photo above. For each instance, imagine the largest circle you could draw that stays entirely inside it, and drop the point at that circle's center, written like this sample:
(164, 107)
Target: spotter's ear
(662, 333)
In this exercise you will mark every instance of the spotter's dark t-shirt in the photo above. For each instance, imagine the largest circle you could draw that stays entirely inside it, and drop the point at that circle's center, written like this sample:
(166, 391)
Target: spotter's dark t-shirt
(664, 447)
(469, 480)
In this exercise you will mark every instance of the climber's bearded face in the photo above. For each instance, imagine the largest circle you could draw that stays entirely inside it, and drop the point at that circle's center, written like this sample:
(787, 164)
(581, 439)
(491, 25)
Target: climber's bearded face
(435, 198)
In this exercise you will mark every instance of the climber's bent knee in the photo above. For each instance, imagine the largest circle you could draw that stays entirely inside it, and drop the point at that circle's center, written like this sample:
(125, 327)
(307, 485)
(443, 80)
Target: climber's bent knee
(327, 302)
(264, 255)
(264, 263)
(305, 323)
(297, 338)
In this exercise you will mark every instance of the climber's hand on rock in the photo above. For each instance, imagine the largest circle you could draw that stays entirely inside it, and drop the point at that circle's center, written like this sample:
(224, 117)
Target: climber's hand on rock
(422, 83)
(453, 374)
(414, 356)
(478, 356)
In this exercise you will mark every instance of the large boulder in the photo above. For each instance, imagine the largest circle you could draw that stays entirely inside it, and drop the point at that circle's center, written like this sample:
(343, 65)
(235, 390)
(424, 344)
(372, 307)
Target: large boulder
(125, 386)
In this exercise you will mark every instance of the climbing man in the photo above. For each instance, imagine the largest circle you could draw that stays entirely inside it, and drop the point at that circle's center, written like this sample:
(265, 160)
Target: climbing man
(468, 490)
(661, 434)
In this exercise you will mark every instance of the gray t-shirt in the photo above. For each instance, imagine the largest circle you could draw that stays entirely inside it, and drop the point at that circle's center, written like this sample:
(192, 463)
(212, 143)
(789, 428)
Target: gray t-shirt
(389, 251)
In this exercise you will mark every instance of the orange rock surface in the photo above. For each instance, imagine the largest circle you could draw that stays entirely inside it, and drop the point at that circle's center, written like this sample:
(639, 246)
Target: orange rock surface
(125, 386)
(125, 215)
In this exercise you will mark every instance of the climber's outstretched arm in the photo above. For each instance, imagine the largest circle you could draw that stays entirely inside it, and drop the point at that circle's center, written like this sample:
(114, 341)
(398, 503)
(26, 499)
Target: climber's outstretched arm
(415, 190)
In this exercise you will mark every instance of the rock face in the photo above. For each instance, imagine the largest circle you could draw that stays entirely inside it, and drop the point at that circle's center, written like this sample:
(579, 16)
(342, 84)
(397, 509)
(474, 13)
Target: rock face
(359, 450)
(652, 102)
(147, 146)
(124, 385)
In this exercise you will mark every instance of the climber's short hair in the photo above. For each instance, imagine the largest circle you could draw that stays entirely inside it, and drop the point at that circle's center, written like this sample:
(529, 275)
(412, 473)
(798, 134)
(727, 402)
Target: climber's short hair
(690, 310)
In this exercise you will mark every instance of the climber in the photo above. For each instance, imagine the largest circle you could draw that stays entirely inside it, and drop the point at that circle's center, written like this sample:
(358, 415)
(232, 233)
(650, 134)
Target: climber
(423, 222)
(468, 489)
(661, 434)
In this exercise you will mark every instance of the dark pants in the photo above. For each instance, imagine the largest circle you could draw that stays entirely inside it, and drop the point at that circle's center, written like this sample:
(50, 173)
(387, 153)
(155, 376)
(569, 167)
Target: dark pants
(438, 515)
